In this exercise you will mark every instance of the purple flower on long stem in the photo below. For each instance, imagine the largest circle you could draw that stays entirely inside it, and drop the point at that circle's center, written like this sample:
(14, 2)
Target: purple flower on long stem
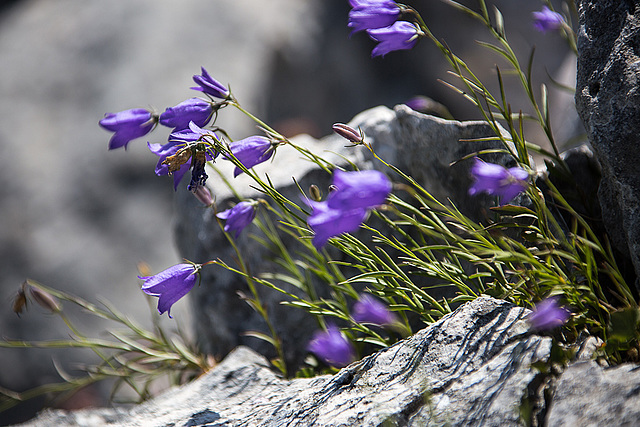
(547, 20)
(170, 285)
(238, 217)
(210, 86)
(348, 133)
(332, 347)
(372, 14)
(547, 314)
(194, 110)
(400, 35)
(326, 222)
(495, 179)
(359, 189)
(251, 151)
(127, 125)
(371, 310)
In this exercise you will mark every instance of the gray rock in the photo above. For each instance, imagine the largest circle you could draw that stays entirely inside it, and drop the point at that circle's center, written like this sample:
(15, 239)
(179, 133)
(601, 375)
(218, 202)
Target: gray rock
(422, 146)
(608, 101)
(589, 395)
(470, 368)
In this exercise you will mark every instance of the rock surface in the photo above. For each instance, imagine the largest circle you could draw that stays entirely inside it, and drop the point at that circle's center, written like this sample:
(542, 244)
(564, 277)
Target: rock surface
(608, 101)
(421, 145)
(472, 368)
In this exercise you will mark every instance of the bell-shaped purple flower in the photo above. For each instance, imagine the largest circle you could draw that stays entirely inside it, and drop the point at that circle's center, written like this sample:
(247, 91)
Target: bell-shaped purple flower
(210, 86)
(400, 35)
(358, 190)
(495, 179)
(547, 315)
(332, 347)
(547, 20)
(372, 14)
(194, 110)
(127, 125)
(371, 310)
(238, 217)
(251, 151)
(170, 285)
(327, 222)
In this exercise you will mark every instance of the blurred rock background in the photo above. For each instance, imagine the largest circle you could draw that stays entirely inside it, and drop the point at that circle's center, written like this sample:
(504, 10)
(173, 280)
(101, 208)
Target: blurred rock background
(78, 218)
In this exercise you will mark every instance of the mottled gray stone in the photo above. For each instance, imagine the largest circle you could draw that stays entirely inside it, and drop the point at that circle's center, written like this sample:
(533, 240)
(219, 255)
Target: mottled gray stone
(470, 368)
(423, 146)
(608, 101)
(589, 395)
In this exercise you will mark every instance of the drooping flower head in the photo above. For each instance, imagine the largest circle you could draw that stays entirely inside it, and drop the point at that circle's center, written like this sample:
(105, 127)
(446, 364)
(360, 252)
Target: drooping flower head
(547, 20)
(128, 125)
(371, 14)
(194, 110)
(332, 347)
(359, 189)
(326, 222)
(400, 35)
(170, 285)
(371, 310)
(547, 315)
(251, 151)
(239, 216)
(210, 86)
(495, 179)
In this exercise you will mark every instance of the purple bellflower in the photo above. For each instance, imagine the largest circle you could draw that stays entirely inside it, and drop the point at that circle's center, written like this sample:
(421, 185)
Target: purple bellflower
(371, 310)
(170, 285)
(194, 110)
(548, 315)
(209, 85)
(358, 190)
(547, 20)
(251, 151)
(495, 179)
(238, 217)
(327, 222)
(332, 347)
(127, 125)
(398, 36)
(371, 14)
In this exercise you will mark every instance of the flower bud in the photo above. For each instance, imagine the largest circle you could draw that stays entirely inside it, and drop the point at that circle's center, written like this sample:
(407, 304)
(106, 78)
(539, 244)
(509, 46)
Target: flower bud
(45, 300)
(348, 132)
(203, 194)
(315, 193)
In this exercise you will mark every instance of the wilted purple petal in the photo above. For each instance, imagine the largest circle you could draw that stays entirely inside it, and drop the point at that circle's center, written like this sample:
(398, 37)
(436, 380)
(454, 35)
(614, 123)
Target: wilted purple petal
(326, 222)
(194, 110)
(238, 217)
(399, 36)
(495, 179)
(251, 151)
(170, 285)
(547, 20)
(548, 315)
(332, 347)
(371, 310)
(127, 125)
(209, 85)
(359, 190)
(372, 14)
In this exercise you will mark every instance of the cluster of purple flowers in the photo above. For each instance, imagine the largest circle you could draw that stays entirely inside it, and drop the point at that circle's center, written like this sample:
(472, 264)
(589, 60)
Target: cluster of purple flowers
(379, 18)
(189, 146)
(348, 205)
